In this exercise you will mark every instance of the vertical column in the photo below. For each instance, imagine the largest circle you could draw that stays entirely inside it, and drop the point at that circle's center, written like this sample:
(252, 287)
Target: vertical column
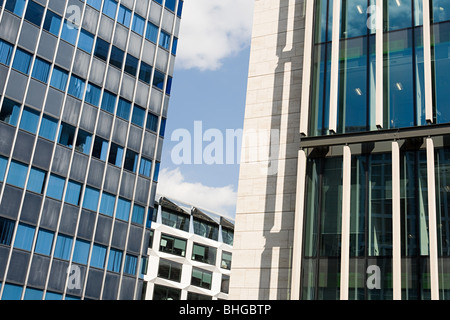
(379, 64)
(334, 81)
(346, 203)
(434, 276)
(298, 226)
(427, 61)
(307, 58)
(396, 223)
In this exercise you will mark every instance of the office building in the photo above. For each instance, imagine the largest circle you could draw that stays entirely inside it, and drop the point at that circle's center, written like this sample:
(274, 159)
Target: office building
(351, 202)
(84, 92)
(190, 253)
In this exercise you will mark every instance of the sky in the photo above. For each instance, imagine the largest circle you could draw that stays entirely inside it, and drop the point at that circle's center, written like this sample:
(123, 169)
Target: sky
(207, 101)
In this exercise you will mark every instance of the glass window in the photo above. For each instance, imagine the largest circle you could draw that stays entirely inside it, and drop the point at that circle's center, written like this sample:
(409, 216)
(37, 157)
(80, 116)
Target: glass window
(225, 284)
(81, 251)
(12, 292)
(440, 11)
(17, 174)
(33, 294)
(166, 293)
(145, 167)
(98, 256)
(115, 260)
(201, 278)
(204, 254)
(52, 22)
(164, 40)
(86, 41)
(100, 149)
(15, 6)
(91, 197)
(24, 237)
(84, 140)
(101, 49)
(227, 236)
(41, 70)
(174, 46)
(353, 18)
(6, 50)
(34, 13)
(44, 242)
(53, 296)
(116, 58)
(152, 32)
(131, 160)
(138, 24)
(205, 229)
(108, 101)
(124, 16)
(36, 180)
(169, 270)
(170, 4)
(49, 127)
(138, 214)
(158, 80)
(162, 129)
(93, 94)
(30, 120)
(145, 72)
(107, 204)
(6, 231)
(10, 112)
(138, 116)
(95, 3)
(66, 135)
(124, 109)
(152, 122)
(169, 85)
(226, 260)
(55, 187)
(398, 15)
(156, 173)
(175, 219)
(22, 61)
(76, 87)
(441, 67)
(170, 244)
(110, 8)
(59, 79)
(73, 193)
(130, 265)
(123, 209)
(131, 65)
(3, 165)
(69, 32)
(180, 8)
(115, 155)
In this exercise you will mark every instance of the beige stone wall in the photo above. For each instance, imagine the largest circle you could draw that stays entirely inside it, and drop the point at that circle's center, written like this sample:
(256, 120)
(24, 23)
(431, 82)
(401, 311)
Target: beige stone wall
(267, 186)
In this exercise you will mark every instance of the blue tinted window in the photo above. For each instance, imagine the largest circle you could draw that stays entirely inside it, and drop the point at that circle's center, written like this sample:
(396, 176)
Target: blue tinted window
(44, 242)
(73, 193)
(22, 61)
(86, 41)
(30, 120)
(6, 50)
(55, 187)
(116, 58)
(107, 204)
(169, 85)
(180, 8)
(92, 94)
(174, 46)
(109, 8)
(124, 16)
(69, 32)
(3, 164)
(76, 87)
(81, 251)
(170, 4)
(123, 109)
(15, 6)
(34, 13)
(49, 127)
(131, 65)
(109, 102)
(115, 260)
(158, 80)
(115, 155)
(10, 112)
(52, 23)
(95, 3)
(36, 180)
(98, 256)
(159, 1)
(162, 129)
(100, 149)
(59, 79)
(24, 237)
(101, 49)
(6, 231)
(138, 24)
(138, 116)
(123, 209)
(66, 135)
(17, 174)
(63, 247)
(156, 173)
(145, 72)
(131, 159)
(84, 141)
(164, 40)
(152, 122)
(152, 32)
(130, 264)
(53, 296)
(91, 197)
(146, 167)
(33, 294)
(138, 214)
(12, 292)
(41, 70)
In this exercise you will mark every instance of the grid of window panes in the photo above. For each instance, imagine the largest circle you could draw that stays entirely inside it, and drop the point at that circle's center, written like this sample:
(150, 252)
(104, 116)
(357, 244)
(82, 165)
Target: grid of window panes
(79, 158)
(403, 69)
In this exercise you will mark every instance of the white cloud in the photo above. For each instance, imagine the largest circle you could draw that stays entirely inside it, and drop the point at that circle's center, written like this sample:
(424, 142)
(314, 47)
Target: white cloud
(212, 30)
(172, 184)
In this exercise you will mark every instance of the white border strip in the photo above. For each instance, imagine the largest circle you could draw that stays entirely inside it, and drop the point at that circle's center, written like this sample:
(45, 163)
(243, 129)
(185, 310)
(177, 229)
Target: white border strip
(334, 67)
(346, 205)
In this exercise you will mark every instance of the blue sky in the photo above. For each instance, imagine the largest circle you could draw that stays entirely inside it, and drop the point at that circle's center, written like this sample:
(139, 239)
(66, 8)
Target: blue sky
(210, 82)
